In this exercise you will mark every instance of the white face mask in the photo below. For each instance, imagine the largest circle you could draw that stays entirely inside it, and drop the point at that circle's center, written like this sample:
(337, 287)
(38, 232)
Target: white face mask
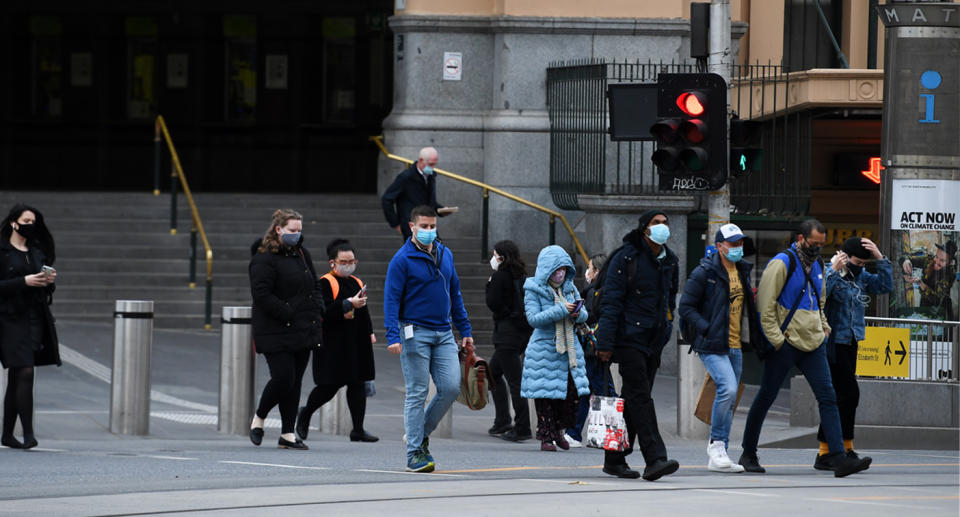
(494, 262)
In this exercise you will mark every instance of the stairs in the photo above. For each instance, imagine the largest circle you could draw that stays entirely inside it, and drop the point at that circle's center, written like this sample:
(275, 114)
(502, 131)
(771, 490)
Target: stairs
(114, 246)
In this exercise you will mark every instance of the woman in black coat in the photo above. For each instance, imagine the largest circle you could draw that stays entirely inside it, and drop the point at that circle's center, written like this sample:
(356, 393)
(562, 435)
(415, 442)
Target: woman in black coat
(286, 320)
(504, 296)
(346, 358)
(27, 334)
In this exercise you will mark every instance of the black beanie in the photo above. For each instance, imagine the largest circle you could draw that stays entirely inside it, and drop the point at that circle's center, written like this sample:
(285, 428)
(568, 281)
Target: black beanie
(647, 216)
(853, 247)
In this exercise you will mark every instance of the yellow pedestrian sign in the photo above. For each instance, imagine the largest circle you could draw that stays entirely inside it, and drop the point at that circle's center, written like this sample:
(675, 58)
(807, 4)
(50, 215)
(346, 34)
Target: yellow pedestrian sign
(884, 352)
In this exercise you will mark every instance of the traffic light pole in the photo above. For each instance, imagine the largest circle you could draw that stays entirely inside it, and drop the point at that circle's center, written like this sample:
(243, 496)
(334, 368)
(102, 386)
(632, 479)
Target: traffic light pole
(691, 370)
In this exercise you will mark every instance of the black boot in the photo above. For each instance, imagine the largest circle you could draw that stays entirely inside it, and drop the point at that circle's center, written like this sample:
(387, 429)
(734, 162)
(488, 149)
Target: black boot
(621, 471)
(751, 463)
(8, 440)
(660, 468)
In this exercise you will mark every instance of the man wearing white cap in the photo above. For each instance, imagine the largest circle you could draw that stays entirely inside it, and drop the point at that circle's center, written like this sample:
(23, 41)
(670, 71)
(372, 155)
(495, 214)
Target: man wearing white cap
(715, 301)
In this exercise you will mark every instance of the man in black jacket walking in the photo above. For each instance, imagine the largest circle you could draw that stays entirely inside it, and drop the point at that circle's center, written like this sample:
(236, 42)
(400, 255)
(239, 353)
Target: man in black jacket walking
(415, 186)
(636, 307)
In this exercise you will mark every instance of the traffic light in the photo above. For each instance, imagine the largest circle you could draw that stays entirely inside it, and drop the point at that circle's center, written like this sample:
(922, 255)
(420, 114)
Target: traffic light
(746, 146)
(691, 131)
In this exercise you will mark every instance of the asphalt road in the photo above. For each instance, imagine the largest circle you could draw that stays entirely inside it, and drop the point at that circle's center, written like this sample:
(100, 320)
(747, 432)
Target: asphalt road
(186, 467)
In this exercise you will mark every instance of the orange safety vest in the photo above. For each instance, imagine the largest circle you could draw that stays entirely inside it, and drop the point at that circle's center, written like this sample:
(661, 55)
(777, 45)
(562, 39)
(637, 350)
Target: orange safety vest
(335, 284)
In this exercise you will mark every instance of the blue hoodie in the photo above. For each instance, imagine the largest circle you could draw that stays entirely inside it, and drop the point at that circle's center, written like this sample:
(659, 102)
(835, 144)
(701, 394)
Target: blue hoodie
(422, 292)
(544, 369)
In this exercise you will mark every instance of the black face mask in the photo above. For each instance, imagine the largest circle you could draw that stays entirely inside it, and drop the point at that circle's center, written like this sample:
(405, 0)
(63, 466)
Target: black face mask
(854, 270)
(812, 252)
(28, 231)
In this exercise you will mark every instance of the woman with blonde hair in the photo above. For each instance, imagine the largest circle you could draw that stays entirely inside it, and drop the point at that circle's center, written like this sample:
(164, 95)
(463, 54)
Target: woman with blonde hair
(286, 320)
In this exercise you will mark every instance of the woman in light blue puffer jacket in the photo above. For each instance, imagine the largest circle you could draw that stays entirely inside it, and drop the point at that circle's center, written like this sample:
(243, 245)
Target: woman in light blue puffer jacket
(553, 367)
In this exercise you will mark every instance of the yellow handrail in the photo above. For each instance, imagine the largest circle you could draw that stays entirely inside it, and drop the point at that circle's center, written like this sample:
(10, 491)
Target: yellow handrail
(378, 140)
(160, 128)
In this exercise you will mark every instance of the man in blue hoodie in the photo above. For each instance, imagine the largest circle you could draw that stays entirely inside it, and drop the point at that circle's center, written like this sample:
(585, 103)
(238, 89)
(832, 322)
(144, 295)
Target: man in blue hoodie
(421, 296)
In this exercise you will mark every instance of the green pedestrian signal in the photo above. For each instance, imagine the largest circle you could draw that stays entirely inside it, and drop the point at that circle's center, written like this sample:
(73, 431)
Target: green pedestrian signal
(746, 146)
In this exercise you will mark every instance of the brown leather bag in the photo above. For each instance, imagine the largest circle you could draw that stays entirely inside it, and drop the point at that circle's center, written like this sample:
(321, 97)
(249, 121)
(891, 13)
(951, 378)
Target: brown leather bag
(475, 380)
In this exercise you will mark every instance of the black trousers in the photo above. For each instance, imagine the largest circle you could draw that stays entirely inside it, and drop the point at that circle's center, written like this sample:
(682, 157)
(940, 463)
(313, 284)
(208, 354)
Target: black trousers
(638, 370)
(356, 401)
(283, 388)
(843, 372)
(506, 363)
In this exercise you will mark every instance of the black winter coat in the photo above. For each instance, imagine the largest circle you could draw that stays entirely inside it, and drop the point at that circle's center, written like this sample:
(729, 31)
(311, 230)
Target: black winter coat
(591, 301)
(510, 328)
(15, 301)
(407, 192)
(705, 304)
(347, 354)
(287, 311)
(638, 315)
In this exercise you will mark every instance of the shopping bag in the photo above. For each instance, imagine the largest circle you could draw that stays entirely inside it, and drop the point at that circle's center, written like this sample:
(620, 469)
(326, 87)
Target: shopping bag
(708, 392)
(475, 380)
(606, 427)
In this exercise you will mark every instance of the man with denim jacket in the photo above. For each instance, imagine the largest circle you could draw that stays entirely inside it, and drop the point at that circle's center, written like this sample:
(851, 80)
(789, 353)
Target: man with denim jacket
(421, 297)
(848, 285)
(790, 301)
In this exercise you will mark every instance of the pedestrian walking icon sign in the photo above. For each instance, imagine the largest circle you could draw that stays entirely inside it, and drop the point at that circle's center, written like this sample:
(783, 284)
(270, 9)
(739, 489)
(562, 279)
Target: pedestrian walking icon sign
(885, 352)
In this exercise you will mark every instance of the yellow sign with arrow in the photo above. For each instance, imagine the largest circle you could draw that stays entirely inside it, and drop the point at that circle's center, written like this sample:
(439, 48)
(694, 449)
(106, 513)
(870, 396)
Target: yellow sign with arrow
(885, 352)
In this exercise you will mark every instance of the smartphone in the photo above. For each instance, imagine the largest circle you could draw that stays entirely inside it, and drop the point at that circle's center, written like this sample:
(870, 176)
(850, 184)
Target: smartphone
(576, 306)
(363, 292)
(47, 270)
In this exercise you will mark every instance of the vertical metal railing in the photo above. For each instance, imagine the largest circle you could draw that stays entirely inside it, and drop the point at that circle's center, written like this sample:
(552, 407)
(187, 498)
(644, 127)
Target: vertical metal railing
(196, 224)
(934, 347)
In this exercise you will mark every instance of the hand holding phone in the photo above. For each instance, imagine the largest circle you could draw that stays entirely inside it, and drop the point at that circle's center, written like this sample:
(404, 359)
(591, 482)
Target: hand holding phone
(363, 292)
(47, 271)
(576, 307)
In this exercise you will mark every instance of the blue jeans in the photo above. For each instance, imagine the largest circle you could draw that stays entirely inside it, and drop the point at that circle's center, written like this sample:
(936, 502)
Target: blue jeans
(595, 374)
(429, 353)
(814, 367)
(725, 370)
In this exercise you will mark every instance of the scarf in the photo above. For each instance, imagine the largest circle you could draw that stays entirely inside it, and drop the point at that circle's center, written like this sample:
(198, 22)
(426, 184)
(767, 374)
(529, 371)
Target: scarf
(563, 334)
(805, 260)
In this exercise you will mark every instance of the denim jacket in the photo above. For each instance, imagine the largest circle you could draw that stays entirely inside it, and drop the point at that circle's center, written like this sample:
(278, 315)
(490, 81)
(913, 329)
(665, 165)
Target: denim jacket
(844, 308)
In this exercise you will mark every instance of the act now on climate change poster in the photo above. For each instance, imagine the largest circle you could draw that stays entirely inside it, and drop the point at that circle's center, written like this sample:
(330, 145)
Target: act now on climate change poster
(925, 205)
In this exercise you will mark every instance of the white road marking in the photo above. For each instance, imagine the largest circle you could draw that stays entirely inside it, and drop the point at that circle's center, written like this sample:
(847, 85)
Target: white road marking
(175, 458)
(733, 492)
(278, 465)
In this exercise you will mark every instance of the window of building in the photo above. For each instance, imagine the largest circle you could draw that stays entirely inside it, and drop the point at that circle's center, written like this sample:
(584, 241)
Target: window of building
(806, 42)
(240, 33)
(141, 67)
(339, 77)
(47, 67)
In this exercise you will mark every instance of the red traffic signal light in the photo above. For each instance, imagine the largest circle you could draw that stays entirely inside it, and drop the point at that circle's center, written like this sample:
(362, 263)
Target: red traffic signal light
(692, 103)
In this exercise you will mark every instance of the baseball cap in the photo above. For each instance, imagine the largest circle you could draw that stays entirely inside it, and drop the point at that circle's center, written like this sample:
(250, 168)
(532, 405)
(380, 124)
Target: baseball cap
(729, 232)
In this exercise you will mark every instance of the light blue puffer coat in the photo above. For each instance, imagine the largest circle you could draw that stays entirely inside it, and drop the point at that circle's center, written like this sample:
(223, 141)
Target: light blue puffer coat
(544, 369)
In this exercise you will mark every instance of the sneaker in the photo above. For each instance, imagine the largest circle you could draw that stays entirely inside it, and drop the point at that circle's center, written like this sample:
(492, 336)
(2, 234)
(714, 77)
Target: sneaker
(562, 443)
(751, 463)
(621, 471)
(854, 455)
(499, 429)
(425, 447)
(843, 465)
(573, 443)
(660, 468)
(419, 462)
(719, 461)
(822, 463)
(548, 446)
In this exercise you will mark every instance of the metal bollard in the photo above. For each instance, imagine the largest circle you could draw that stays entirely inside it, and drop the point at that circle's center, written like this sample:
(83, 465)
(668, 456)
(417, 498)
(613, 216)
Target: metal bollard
(238, 374)
(130, 383)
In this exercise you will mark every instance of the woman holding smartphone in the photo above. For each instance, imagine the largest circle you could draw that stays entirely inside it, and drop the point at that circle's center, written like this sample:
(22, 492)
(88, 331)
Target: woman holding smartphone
(27, 334)
(346, 358)
(554, 374)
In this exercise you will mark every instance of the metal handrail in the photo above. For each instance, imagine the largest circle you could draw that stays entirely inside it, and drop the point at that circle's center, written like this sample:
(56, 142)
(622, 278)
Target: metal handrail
(953, 338)
(554, 215)
(160, 129)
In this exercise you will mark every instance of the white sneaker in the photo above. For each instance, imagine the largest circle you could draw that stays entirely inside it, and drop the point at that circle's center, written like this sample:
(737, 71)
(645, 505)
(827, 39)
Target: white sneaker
(719, 461)
(573, 443)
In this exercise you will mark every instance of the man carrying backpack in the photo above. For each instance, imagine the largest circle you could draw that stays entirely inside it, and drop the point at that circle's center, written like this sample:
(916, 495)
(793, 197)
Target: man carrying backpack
(716, 299)
(790, 299)
(639, 289)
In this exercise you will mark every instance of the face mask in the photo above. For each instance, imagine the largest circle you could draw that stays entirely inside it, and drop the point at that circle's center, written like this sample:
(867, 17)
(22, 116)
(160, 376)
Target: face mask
(854, 270)
(494, 263)
(426, 237)
(558, 276)
(811, 252)
(290, 239)
(27, 231)
(735, 254)
(659, 233)
(346, 270)
(428, 171)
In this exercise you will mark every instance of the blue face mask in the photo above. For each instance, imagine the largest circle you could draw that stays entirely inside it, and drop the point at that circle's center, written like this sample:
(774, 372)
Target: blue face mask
(428, 171)
(426, 237)
(659, 233)
(735, 254)
(290, 239)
